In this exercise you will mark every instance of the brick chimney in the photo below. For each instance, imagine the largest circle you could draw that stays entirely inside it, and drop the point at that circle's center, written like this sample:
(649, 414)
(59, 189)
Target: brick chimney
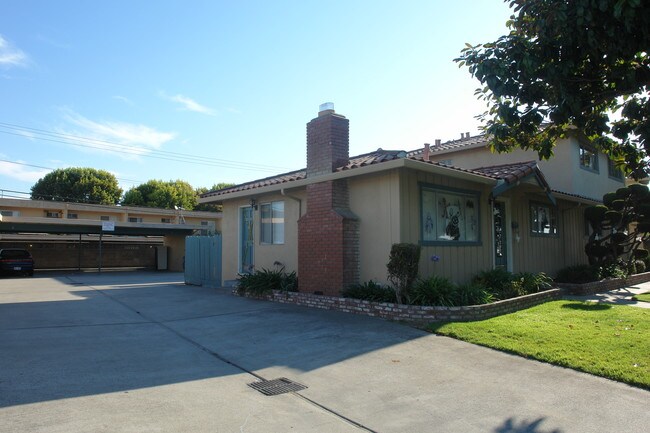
(328, 233)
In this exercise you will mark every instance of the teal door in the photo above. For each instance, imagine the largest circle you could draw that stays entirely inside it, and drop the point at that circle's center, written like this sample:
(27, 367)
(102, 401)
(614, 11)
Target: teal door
(246, 244)
(500, 241)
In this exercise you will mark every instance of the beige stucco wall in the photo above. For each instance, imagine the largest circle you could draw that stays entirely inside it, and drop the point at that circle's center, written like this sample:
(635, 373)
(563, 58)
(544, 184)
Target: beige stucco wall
(264, 255)
(562, 171)
(175, 252)
(388, 207)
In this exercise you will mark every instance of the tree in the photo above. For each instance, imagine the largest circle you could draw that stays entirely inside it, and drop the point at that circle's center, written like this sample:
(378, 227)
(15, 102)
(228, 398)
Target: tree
(620, 226)
(81, 185)
(166, 195)
(209, 207)
(565, 65)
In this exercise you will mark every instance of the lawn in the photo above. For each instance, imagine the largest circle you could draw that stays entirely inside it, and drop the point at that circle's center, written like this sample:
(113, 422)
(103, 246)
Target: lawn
(612, 341)
(645, 297)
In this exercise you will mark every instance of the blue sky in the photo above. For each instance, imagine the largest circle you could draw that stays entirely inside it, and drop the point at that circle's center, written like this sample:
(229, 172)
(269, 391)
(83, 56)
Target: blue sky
(215, 91)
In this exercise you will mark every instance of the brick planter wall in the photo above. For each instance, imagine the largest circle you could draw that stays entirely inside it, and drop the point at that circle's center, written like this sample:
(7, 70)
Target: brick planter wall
(410, 313)
(604, 285)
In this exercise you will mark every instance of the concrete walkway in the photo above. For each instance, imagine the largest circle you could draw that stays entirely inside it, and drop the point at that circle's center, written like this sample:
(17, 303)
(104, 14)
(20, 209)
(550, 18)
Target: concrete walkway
(622, 296)
(142, 352)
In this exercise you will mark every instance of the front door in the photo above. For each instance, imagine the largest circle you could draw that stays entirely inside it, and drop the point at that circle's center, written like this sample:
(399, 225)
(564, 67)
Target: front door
(500, 235)
(246, 242)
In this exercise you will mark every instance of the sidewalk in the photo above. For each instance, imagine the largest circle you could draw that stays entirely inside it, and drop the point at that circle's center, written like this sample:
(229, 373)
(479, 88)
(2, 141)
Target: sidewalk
(622, 296)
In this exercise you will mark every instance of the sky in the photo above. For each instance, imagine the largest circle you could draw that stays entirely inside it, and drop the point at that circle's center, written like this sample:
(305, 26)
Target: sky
(221, 91)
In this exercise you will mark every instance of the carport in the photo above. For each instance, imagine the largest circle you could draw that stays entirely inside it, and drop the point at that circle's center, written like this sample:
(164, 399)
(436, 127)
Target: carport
(173, 234)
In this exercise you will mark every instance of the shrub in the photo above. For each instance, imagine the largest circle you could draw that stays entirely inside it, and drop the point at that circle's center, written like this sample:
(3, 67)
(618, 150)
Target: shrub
(639, 266)
(434, 290)
(402, 266)
(266, 280)
(579, 274)
(473, 294)
(369, 291)
(533, 283)
(615, 270)
(497, 281)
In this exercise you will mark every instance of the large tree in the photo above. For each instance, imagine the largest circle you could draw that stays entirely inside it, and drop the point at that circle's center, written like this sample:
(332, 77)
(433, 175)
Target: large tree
(166, 195)
(210, 207)
(569, 65)
(81, 185)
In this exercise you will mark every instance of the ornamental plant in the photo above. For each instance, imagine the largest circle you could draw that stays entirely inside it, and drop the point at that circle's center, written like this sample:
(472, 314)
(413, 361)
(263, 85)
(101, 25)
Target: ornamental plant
(620, 226)
(403, 264)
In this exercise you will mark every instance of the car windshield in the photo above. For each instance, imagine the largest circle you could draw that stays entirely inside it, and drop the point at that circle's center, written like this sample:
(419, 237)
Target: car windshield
(15, 254)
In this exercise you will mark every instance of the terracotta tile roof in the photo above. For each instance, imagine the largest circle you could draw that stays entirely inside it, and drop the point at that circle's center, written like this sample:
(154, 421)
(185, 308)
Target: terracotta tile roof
(273, 180)
(462, 143)
(371, 158)
(509, 172)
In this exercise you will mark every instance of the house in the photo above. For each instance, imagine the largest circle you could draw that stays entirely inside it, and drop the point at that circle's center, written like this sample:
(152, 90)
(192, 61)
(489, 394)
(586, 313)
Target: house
(335, 221)
(67, 235)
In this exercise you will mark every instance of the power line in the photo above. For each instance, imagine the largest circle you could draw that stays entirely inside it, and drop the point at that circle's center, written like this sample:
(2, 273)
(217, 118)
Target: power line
(50, 168)
(75, 140)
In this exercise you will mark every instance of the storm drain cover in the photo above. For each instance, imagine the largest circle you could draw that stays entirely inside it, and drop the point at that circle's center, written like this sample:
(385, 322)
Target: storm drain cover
(277, 386)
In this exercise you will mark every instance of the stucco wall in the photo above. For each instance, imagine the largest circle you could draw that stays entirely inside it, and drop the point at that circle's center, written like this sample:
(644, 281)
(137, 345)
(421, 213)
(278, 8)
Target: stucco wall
(264, 255)
(562, 171)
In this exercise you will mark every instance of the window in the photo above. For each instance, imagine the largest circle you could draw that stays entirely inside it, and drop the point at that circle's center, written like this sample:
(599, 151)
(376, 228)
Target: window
(51, 214)
(104, 218)
(449, 216)
(166, 220)
(614, 172)
(135, 219)
(588, 158)
(543, 220)
(10, 213)
(272, 223)
(72, 216)
(445, 162)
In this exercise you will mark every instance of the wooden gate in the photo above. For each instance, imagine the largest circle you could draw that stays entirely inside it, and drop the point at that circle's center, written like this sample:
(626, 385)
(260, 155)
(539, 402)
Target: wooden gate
(203, 260)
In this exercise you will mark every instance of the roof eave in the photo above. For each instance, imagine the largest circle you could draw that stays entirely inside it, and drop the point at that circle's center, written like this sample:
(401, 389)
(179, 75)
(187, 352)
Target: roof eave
(359, 171)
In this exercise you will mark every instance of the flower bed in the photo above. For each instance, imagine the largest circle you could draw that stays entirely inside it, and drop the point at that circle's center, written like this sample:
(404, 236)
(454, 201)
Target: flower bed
(409, 313)
(604, 285)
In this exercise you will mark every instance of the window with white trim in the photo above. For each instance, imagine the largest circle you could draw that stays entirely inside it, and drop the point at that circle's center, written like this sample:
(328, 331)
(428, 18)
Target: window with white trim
(135, 219)
(10, 213)
(73, 216)
(272, 223)
(543, 219)
(52, 214)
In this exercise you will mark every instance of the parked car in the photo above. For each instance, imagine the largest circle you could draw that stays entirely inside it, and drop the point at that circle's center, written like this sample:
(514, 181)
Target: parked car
(16, 261)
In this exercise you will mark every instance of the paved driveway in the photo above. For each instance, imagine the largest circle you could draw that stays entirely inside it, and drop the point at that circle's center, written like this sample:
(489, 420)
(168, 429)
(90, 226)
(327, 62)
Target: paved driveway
(141, 352)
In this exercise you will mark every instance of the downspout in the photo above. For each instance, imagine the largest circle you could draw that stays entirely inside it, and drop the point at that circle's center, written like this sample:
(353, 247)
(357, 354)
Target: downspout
(284, 194)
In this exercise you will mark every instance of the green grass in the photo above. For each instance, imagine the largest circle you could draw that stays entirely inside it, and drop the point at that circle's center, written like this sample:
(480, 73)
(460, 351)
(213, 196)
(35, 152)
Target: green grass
(612, 341)
(645, 297)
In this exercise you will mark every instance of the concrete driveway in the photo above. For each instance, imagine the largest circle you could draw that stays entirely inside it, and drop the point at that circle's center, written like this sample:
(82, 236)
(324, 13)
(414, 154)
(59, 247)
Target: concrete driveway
(141, 352)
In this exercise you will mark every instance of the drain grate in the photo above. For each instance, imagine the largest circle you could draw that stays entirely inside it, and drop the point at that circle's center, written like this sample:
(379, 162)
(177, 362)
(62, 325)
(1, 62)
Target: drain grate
(277, 386)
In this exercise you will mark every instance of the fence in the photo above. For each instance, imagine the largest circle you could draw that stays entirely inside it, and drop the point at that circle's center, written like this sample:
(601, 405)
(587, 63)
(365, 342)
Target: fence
(203, 260)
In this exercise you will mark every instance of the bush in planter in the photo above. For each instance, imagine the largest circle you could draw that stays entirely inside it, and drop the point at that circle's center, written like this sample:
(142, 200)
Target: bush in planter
(498, 282)
(528, 282)
(369, 291)
(579, 274)
(403, 264)
(264, 281)
(473, 294)
(434, 290)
